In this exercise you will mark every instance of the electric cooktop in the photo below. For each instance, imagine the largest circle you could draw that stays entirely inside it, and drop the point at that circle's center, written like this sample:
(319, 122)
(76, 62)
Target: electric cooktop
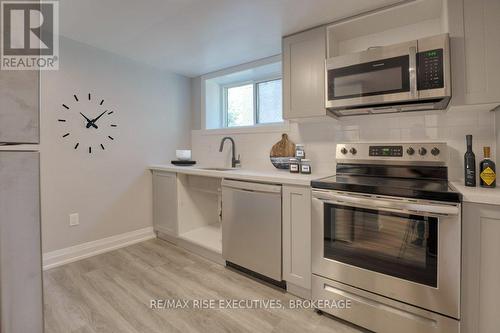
(409, 170)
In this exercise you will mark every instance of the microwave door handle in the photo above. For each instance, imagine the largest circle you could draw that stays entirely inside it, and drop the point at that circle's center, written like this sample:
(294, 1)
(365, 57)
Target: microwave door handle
(413, 72)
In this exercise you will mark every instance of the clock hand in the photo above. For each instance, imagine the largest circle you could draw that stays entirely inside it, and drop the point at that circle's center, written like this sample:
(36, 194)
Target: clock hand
(96, 119)
(89, 122)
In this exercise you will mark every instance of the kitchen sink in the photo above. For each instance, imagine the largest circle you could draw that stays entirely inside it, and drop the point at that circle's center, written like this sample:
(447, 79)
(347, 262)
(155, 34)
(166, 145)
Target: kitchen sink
(218, 169)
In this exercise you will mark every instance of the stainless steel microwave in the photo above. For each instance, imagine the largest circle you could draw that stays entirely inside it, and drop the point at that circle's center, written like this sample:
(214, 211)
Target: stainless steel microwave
(408, 76)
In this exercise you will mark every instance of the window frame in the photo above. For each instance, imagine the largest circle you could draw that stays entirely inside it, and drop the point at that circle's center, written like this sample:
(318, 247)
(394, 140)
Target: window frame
(255, 115)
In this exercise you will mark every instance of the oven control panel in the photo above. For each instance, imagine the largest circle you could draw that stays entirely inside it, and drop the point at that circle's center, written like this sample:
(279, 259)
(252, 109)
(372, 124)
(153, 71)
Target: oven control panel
(393, 151)
(428, 152)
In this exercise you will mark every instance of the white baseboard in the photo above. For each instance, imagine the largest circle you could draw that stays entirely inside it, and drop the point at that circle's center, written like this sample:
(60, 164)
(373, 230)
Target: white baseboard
(74, 253)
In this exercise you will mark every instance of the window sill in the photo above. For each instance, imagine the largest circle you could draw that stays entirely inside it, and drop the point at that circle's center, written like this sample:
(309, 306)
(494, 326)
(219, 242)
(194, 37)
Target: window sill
(262, 128)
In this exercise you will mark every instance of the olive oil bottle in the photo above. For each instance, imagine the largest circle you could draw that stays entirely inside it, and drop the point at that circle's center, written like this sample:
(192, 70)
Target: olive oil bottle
(487, 175)
(470, 164)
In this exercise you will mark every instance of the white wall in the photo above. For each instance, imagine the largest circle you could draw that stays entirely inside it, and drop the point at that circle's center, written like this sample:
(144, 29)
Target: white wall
(196, 103)
(111, 189)
(320, 138)
(212, 104)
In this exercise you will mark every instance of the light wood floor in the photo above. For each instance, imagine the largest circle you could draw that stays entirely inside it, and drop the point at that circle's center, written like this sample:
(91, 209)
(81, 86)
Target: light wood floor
(112, 292)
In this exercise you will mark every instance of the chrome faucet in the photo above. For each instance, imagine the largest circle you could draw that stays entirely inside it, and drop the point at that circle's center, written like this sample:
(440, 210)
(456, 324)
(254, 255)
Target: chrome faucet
(234, 162)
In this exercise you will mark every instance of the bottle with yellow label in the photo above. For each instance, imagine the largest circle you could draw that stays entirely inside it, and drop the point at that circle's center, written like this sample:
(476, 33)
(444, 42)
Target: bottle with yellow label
(487, 175)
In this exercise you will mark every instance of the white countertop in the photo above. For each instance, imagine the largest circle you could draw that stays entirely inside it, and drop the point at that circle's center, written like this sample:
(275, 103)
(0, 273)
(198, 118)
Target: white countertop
(489, 196)
(470, 194)
(274, 176)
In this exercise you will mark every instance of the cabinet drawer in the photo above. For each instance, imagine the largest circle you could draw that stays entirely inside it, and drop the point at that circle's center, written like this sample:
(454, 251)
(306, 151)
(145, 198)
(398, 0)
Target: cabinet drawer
(378, 313)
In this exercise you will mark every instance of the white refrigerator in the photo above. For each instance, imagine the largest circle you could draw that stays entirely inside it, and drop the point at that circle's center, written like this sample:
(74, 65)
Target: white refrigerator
(21, 291)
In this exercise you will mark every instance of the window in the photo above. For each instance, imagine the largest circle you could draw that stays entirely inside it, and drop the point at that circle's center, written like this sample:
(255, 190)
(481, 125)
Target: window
(239, 101)
(269, 108)
(244, 96)
(252, 103)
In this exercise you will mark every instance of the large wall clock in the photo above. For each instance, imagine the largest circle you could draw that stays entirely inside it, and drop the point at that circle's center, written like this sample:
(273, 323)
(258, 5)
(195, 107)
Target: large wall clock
(88, 124)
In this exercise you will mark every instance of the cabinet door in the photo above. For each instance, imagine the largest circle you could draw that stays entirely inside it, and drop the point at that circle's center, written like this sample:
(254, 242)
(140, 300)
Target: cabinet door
(19, 106)
(480, 269)
(304, 57)
(297, 235)
(482, 51)
(21, 305)
(165, 203)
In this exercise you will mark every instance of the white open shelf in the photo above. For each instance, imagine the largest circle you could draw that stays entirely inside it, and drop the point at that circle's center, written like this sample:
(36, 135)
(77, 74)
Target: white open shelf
(209, 237)
(410, 21)
(198, 217)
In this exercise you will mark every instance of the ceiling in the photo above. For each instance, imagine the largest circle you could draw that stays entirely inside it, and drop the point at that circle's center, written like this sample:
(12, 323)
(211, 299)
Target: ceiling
(195, 37)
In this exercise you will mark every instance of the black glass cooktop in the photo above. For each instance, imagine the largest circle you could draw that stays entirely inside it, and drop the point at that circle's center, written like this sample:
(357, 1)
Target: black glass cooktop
(409, 187)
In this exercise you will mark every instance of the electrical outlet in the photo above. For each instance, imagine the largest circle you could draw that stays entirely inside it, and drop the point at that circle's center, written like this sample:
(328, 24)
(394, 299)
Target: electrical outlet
(74, 219)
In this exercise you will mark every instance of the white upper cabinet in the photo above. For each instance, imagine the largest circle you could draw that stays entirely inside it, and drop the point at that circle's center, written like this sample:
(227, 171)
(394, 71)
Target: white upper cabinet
(19, 106)
(475, 50)
(482, 51)
(304, 57)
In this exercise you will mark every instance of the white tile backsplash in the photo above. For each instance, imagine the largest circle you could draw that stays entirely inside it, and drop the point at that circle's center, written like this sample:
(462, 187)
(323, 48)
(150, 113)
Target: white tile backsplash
(413, 121)
(433, 120)
(320, 138)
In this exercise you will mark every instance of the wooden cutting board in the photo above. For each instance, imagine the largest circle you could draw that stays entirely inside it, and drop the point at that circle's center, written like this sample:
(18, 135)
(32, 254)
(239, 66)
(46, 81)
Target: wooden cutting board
(283, 148)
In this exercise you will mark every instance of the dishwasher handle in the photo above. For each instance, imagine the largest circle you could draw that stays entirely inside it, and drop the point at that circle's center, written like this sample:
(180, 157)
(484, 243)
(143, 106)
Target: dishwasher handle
(253, 187)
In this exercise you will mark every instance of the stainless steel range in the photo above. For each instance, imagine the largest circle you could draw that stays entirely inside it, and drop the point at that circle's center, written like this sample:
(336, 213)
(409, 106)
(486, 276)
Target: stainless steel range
(387, 236)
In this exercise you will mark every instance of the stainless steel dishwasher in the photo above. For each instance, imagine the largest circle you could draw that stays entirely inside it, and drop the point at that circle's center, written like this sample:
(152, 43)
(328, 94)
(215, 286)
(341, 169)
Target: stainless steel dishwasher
(251, 227)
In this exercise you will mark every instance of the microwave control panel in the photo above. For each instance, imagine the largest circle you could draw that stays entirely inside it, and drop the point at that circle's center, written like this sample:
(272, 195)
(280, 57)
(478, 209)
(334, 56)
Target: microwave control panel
(430, 72)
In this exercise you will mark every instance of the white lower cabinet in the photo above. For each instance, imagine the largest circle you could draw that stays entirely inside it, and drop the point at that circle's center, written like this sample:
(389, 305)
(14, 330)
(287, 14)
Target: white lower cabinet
(165, 203)
(297, 237)
(480, 268)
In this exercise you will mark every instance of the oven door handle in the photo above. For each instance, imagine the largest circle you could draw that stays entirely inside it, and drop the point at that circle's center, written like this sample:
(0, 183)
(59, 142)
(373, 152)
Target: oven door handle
(393, 207)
